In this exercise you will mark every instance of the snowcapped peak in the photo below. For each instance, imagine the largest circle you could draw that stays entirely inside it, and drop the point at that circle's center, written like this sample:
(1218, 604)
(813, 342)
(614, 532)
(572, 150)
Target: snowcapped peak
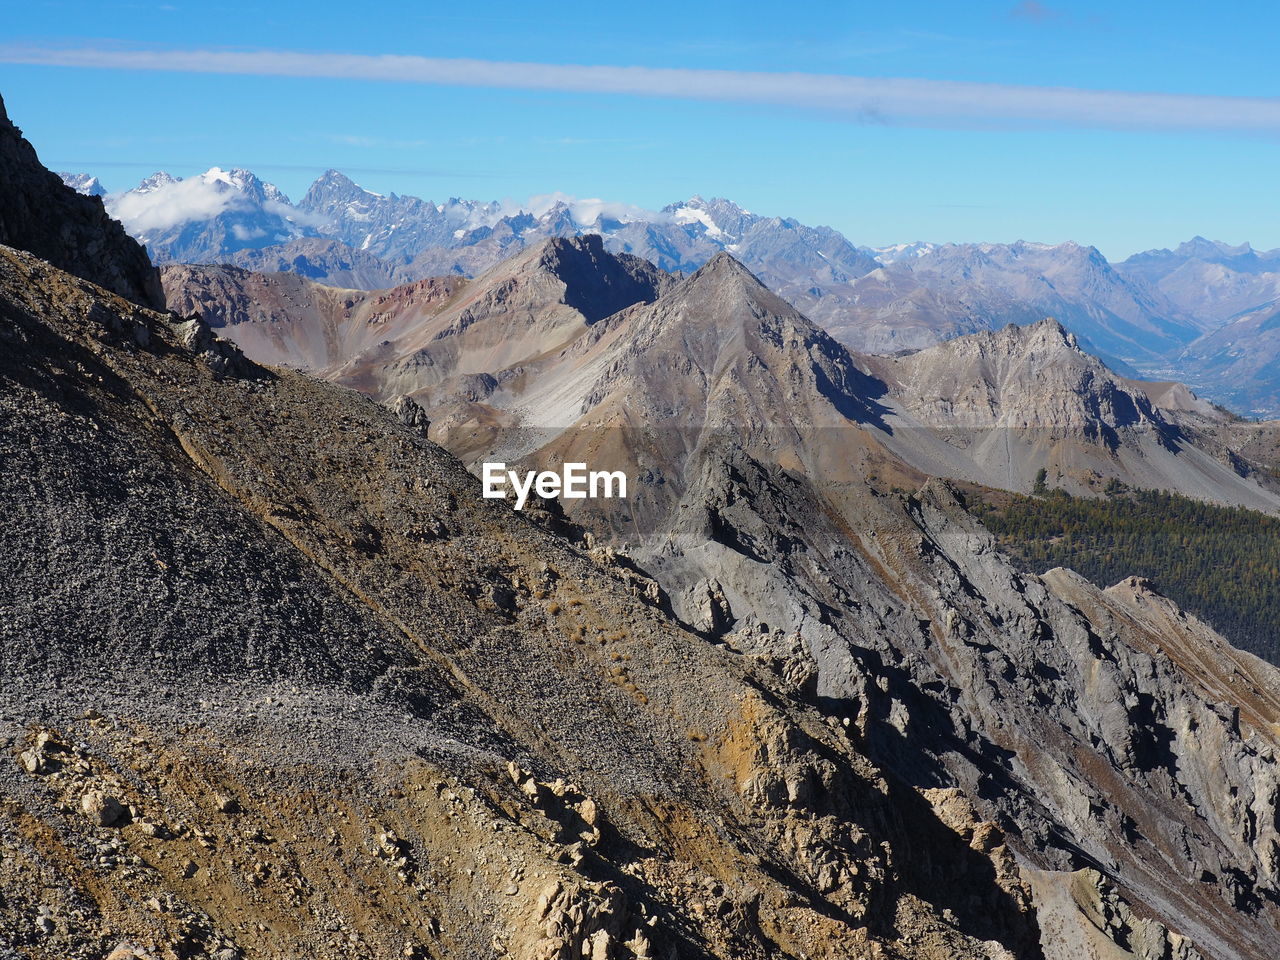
(337, 180)
(333, 191)
(154, 182)
(90, 186)
(696, 214)
(218, 175)
(903, 251)
(237, 178)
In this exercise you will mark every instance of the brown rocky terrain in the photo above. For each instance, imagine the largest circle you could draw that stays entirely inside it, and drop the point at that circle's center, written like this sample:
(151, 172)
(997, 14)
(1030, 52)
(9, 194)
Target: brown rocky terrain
(791, 550)
(443, 729)
(287, 686)
(1011, 402)
(282, 318)
(991, 408)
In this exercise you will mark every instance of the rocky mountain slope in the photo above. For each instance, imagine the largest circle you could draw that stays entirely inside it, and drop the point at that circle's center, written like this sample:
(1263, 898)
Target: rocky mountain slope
(989, 408)
(487, 742)
(544, 297)
(283, 319)
(1023, 399)
(291, 687)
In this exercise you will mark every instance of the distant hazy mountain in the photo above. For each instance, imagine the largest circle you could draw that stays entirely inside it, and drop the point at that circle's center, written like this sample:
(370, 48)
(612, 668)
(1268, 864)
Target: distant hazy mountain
(465, 237)
(324, 259)
(902, 297)
(1235, 292)
(937, 292)
(393, 228)
(1213, 281)
(1240, 361)
(901, 251)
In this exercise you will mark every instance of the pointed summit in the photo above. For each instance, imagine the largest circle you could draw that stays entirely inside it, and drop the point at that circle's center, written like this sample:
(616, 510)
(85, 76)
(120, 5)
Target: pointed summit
(1049, 330)
(724, 262)
(724, 290)
(154, 182)
(582, 275)
(84, 183)
(333, 187)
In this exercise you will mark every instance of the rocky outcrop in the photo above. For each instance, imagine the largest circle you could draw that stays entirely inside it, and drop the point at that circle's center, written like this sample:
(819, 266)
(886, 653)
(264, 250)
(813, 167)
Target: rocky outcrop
(411, 415)
(1007, 404)
(41, 214)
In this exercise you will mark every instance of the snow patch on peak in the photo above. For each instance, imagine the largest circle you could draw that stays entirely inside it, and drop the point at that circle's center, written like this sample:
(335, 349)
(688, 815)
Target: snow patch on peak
(218, 175)
(687, 215)
(154, 182)
(903, 251)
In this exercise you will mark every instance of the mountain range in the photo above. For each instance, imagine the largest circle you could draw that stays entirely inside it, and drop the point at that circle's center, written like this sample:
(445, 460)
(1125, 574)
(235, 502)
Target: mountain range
(289, 685)
(1157, 312)
(507, 357)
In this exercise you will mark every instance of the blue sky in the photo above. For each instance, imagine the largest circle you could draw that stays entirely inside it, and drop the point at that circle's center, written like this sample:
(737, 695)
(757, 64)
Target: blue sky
(1012, 160)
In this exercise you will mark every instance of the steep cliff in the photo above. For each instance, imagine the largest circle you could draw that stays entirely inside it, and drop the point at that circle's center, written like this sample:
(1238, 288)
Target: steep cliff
(41, 214)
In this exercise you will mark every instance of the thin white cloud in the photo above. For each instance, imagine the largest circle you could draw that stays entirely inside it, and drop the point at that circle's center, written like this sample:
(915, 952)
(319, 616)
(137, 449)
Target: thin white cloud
(859, 99)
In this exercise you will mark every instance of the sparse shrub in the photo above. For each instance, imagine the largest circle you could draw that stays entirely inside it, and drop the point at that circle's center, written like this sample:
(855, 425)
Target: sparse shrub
(1040, 487)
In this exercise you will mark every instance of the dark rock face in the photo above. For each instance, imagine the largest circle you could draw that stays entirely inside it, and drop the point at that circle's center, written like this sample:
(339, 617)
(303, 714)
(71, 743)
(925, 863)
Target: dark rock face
(596, 283)
(41, 214)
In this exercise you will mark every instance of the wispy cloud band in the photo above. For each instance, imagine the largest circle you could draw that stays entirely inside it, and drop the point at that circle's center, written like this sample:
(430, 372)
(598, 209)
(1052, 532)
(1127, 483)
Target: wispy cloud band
(859, 99)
